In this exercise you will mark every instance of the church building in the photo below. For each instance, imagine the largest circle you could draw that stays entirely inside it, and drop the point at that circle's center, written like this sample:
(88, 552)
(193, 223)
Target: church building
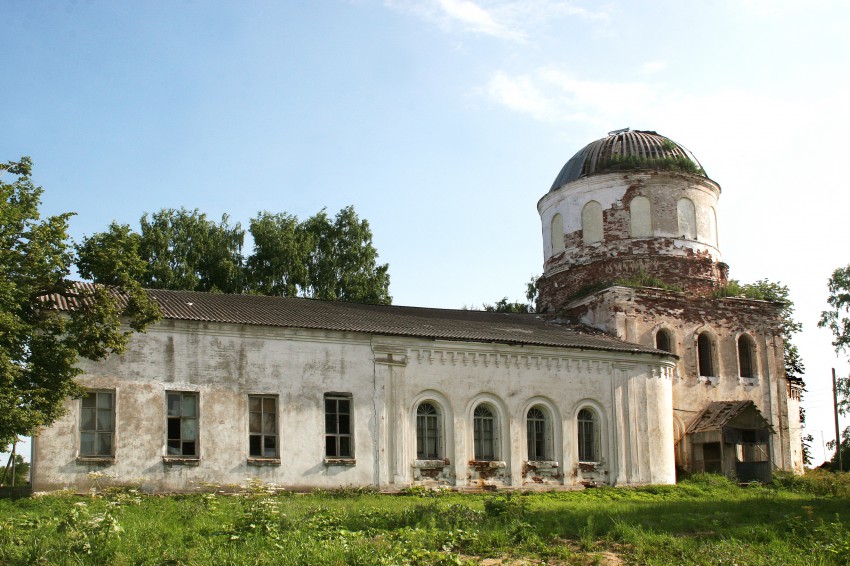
(631, 368)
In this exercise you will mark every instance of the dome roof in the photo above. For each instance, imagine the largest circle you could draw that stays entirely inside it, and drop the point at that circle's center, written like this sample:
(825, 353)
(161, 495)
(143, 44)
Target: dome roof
(625, 150)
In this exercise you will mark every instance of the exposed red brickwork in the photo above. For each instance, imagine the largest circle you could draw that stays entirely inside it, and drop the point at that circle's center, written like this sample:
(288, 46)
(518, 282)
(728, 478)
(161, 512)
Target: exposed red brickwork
(732, 315)
(695, 273)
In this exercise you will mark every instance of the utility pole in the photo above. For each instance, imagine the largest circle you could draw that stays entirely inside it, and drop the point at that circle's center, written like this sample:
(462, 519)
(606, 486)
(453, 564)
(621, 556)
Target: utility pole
(837, 431)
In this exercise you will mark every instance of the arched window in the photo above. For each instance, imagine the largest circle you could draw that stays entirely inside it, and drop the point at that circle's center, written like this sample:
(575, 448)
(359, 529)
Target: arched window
(557, 234)
(588, 436)
(591, 222)
(641, 219)
(705, 355)
(687, 219)
(664, 340)
(538, 433)
(429, 434)
(484, 429)
(746, 356)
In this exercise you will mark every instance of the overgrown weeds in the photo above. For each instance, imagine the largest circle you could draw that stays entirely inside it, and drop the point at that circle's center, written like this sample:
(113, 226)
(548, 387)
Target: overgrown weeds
(704, 520)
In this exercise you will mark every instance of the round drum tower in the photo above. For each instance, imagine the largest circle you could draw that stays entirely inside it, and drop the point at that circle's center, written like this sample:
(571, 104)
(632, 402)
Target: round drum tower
(635, 207)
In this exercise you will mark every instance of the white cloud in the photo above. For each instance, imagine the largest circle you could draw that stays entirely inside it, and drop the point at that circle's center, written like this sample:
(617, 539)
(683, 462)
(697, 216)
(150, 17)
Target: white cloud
(520, 94)
(477, 19)
(551, 95)
(512, 20)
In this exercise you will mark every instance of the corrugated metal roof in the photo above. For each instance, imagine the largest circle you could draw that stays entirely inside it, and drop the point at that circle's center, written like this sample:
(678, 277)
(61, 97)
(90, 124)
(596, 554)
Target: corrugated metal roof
(444, 324)
(637, 143)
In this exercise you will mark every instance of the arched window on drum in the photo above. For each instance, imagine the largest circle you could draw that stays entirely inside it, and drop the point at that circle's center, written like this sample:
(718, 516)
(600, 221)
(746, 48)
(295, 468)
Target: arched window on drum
(641, 218)
(591, 222)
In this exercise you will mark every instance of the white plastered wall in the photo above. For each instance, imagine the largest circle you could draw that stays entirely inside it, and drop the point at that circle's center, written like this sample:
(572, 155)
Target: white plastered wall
(386, 377)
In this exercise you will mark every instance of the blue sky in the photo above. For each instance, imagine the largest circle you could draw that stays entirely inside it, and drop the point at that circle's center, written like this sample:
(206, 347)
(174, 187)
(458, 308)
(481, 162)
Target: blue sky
(442, 122)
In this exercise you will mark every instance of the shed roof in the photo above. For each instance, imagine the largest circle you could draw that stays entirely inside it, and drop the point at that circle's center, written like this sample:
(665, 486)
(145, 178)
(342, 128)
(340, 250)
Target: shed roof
(719, 414)
(442, 324)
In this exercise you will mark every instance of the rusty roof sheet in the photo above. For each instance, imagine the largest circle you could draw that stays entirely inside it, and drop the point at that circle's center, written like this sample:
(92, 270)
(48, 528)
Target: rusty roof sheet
(717, 414)
(442, 324)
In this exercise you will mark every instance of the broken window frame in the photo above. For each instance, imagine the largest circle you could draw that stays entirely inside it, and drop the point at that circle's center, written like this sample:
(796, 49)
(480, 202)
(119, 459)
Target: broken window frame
(181, 440)
(99, 422)
(263, 427)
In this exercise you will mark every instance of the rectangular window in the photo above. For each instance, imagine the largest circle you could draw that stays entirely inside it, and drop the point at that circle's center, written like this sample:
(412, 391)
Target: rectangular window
(182, 410)
(338, 439)
(97, 424)
(262, 426)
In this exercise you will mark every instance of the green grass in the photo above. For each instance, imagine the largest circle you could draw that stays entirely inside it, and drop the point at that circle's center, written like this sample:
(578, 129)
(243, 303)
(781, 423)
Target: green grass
(704, 520)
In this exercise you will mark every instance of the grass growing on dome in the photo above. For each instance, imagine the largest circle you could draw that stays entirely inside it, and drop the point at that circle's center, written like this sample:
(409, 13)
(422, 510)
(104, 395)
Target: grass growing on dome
(667, 163)
(639, 279)
(644, 279)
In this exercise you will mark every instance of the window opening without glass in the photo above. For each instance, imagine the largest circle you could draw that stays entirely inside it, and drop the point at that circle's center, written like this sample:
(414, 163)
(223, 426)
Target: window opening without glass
(182, 423)
(745, 356)
(705, 355)
(663, 341)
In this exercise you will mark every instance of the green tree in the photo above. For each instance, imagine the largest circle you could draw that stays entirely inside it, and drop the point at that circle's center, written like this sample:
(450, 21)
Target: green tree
(39, 345)
(342, 265)
(837, 319)
(186, 251)
(323, 258)
(112, 257)
(503, 305)
(278, 264)
(21, 471)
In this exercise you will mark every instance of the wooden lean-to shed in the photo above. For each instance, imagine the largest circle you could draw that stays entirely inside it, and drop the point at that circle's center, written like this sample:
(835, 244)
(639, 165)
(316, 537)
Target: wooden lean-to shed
(731, 438)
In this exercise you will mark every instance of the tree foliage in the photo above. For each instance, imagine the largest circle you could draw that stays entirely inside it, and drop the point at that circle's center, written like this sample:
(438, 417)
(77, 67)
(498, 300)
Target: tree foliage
(186, 251)
(342, 264)
(320, 257)
(837, 319)
(503, 305)
(40, 346)
(278, 265)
